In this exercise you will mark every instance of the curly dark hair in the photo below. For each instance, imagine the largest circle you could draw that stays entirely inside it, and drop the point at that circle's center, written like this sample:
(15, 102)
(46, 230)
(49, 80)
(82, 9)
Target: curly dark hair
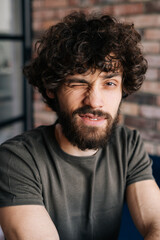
(82, 42)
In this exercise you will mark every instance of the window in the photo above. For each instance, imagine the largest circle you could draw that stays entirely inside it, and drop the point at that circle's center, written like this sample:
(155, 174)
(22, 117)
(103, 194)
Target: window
(15, 50)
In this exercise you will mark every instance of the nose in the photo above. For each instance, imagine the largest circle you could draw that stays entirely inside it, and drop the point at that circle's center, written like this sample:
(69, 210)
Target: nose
(94, 98)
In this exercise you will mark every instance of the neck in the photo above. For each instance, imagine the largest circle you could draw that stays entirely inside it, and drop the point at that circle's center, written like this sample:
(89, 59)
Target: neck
(67, 147)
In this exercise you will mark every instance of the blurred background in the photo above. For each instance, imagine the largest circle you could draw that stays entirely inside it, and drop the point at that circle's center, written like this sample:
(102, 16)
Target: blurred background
(16, 113)
(23, 21)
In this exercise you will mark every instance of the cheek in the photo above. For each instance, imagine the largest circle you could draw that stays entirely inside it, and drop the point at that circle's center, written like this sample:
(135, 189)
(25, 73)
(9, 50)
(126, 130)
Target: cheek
(71, 99)
(116, 101)
(112, 104)
(69, 103)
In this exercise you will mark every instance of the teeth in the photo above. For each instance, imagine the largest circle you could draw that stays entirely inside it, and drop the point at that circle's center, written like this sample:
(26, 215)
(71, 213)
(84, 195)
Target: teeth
(91, 118)
(94, 119)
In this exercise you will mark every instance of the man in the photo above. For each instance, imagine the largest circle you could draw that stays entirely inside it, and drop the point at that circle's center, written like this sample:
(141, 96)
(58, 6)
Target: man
(68, 181)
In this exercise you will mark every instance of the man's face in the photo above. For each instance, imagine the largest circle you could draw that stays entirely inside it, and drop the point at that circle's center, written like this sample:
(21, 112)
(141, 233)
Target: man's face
(89, 107)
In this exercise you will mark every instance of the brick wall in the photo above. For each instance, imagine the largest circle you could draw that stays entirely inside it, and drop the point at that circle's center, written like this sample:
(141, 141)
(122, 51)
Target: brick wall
(141, 110)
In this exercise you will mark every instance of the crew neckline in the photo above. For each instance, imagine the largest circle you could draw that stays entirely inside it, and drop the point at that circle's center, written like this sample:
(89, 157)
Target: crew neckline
(54, 145)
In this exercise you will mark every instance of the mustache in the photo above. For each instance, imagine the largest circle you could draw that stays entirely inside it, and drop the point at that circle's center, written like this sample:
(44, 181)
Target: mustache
(87, 109)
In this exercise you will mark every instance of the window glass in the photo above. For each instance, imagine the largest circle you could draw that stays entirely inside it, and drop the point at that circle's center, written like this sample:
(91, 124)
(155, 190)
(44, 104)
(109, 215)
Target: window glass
(11, 131)
(11, 80)
(10, 17)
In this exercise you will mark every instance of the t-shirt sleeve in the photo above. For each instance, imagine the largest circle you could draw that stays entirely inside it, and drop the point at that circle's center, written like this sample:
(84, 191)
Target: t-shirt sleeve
(139, 163)
(19, 177)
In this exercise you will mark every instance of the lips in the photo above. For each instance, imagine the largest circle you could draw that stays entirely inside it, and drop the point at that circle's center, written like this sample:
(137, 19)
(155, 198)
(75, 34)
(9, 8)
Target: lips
(92, 117)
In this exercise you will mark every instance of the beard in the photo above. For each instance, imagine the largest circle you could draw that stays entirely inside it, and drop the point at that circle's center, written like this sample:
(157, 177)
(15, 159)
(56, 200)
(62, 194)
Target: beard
(87, 137)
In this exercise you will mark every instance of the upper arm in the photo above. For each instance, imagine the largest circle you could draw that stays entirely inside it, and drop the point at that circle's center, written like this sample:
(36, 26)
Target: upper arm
(143, 199)
(27, 222)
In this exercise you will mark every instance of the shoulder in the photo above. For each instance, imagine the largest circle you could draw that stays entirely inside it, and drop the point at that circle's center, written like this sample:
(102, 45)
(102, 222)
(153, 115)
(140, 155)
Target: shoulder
(127, 145)
(128, 149)
(24, 150)
(20, 160)
(28, 147)
(125, 132)
(126, 136)
(27, 139)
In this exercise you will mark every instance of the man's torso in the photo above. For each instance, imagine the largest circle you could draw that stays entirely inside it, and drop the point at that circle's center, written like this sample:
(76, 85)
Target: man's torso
(83, 195)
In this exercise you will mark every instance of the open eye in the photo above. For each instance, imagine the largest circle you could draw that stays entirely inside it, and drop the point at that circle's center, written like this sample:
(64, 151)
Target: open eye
(110, 83)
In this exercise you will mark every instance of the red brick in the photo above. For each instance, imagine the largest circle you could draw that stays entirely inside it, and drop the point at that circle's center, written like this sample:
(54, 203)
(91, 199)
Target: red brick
(152, 34)
(43, 14)
(37, 95)
(158, 125)
(61, 13)
(125, 9)
(73, 2)
(55, 3)
(47, 24)
(85, 3)
(150, 147)
(159, 73)
(37, 26)
(121, 119)
(145, 21)
(44, 117)
(158, 100)
(107, 10)
(137, 1)
(150, 135)
(151, 87)
(39, 106)
(130, 109)
(38, 14)
(151, 47)
(37, 4)
(152, 74)
(48, 14)
(153, 60)
(138, 122)
(142, 98)
(149, 112)
(157, 150)
(94, 2)
(108, 1)
(89, 9)
(152, 7)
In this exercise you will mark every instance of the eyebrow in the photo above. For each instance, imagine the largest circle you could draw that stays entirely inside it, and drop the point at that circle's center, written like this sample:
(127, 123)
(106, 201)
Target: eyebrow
(81, 80)
(77, 80)
(111, 75)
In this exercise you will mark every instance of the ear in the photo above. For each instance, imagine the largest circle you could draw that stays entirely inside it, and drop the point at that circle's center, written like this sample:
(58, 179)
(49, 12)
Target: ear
(50, 94)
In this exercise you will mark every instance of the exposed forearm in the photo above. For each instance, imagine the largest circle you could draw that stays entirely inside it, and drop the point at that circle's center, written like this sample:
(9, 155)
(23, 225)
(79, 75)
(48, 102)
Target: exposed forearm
(14, 235)
(30, 232)
(27, 222)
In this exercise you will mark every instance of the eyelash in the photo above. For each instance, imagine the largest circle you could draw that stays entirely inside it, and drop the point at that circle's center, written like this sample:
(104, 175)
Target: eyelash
(110, 84)
(72, 85)
(76, 85)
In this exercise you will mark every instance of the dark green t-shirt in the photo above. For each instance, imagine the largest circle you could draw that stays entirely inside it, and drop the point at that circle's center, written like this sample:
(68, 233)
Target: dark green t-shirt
(83, 195)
